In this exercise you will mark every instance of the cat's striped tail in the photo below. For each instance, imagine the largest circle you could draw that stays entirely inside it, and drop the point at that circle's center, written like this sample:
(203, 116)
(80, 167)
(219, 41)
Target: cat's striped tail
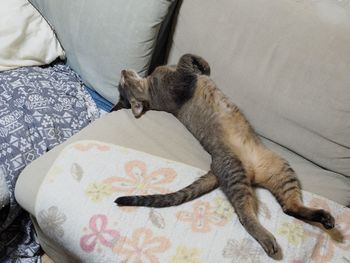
(201, 186)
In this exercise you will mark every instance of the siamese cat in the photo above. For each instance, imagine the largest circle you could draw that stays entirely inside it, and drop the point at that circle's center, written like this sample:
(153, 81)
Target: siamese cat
(239, 159)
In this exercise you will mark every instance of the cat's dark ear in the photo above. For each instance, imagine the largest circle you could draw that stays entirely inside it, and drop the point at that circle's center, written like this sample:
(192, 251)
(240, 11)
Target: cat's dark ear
(194, 64)
(123, 103)
(118, 106)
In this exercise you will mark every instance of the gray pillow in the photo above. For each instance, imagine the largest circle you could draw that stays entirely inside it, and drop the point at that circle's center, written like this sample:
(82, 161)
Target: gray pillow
(103, 37)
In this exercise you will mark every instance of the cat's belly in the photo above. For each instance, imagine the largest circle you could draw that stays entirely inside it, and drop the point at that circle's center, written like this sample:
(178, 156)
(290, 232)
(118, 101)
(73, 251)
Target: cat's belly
(246, 147)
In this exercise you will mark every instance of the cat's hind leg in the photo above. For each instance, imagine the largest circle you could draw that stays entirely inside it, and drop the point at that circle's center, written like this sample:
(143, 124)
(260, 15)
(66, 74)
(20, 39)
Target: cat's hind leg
(236, 186)
(276, 175)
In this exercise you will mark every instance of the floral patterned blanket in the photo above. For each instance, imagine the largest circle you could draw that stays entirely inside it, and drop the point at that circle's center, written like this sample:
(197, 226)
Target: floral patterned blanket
(75, 207)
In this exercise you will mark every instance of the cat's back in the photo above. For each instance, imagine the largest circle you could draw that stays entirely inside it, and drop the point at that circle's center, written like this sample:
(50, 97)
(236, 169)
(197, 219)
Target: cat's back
(209, 96)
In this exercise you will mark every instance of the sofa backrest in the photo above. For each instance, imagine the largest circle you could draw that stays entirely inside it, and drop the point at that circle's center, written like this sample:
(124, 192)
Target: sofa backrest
(101, 38)
(285, 63)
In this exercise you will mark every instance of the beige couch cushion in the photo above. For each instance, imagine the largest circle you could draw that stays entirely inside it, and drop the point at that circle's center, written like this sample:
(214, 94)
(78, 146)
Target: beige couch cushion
(285, 63)
(161, 134)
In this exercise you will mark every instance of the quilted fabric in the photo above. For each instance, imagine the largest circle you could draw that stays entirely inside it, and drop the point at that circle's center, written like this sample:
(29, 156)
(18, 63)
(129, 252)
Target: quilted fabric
(204, 230)
(40, 107)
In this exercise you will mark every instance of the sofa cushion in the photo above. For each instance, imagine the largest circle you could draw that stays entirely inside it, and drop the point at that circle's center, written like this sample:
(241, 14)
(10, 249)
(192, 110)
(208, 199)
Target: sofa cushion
(160, 134)
(103, 37)
(26, 38)
(286, 64)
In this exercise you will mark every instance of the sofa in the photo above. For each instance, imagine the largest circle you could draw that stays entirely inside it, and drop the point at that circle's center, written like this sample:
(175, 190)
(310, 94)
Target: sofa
(284, 63)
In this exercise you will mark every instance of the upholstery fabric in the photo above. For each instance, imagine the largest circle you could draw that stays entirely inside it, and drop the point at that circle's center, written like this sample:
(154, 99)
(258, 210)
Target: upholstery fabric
(101, 38)
(285, 63)
(26, 39)
(160, 134)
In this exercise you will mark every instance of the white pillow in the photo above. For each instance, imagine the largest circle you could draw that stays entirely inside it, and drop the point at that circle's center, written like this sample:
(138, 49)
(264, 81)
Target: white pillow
(26, 39)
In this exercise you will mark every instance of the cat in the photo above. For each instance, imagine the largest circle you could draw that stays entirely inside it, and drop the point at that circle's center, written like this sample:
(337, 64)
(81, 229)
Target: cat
(239, 158)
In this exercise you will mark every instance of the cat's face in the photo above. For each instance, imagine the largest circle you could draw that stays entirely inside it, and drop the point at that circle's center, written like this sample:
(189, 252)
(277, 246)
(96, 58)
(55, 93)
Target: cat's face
(166, 89)
(133, 92)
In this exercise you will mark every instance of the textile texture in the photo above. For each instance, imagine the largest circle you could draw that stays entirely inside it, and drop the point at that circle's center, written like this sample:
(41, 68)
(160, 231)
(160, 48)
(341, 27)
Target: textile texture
(203, 230)
(40, 107)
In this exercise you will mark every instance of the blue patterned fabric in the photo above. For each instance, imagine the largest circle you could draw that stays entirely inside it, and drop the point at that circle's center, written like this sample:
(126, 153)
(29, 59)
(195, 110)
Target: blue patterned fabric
(101, 102)
(40, 107)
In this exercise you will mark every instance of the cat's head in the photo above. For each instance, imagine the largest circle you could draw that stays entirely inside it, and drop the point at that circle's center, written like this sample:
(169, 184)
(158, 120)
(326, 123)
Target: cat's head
(166, 89)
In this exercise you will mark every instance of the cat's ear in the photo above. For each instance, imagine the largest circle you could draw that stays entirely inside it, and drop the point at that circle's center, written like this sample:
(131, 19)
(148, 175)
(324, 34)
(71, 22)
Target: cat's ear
(136, 107)
(194, 64)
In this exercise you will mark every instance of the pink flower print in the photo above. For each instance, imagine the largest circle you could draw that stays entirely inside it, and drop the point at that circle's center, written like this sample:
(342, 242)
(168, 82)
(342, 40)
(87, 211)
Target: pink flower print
(142, 246)
(328, 241)
(202, 217)
(98, 234)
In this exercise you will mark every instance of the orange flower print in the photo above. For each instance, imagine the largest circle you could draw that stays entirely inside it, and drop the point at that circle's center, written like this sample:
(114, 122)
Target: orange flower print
(143, 246)
(202, 217)
(139, 182)
(329, 240)
(88, 146)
